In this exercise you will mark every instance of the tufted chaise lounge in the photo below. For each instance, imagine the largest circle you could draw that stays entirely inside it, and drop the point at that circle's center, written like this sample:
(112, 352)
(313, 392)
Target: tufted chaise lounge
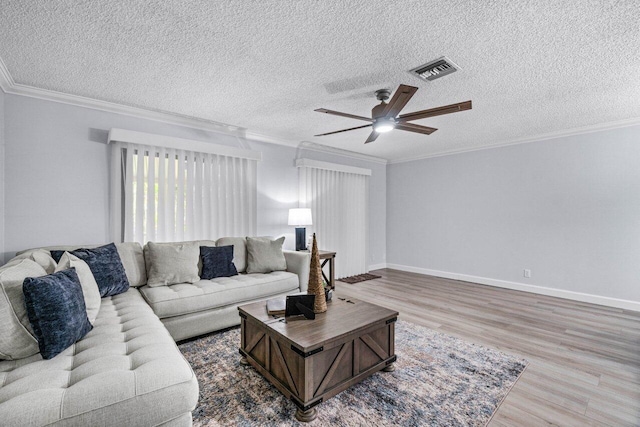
(128, 371)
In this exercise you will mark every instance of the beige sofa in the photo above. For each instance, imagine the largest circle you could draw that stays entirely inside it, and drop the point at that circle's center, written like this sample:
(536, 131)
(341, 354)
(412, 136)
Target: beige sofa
(192, 309)
(128, 369)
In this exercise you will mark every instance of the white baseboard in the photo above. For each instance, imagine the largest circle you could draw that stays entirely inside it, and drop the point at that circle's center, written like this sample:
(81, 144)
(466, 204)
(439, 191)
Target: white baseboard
(377, 266)
(552, 292)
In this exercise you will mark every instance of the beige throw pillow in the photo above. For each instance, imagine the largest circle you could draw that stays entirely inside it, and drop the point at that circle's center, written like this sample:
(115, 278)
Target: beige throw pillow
(90, 290)
(41, 256)
(239, 251)
(16, 336)
(171, 263)
(265, 255)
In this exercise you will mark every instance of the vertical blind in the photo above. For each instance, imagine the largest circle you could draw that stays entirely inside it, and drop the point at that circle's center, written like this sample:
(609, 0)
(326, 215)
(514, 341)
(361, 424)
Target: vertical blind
(168, 194)
(339, 208)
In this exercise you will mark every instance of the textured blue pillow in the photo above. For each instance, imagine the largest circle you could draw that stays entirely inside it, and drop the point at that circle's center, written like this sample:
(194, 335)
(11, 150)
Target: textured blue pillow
(56, 310)
(56, 255)
(217, 261)
(107, 268)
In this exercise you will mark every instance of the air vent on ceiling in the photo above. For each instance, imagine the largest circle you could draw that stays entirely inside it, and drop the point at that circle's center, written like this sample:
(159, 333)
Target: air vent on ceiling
(435, 69)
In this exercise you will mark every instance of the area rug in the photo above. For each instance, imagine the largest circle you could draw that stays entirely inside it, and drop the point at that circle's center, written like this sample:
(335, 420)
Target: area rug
(359, 278)
(439, 380)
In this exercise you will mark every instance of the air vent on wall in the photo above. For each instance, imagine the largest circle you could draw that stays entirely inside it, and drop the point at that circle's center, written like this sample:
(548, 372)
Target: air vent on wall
(435, 69)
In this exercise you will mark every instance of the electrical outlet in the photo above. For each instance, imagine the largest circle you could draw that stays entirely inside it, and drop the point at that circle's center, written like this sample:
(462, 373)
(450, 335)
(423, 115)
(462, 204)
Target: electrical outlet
(527, 273)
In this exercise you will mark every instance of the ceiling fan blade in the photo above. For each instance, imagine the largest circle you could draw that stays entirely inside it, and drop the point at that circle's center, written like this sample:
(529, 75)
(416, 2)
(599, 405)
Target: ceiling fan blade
(338, 113)
(372, 137)
(438, 111)
(415, 128)
(343, 130)
(403, 94)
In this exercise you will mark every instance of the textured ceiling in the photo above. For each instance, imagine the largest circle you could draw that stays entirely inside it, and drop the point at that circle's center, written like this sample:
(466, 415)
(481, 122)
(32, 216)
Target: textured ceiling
(530, 67)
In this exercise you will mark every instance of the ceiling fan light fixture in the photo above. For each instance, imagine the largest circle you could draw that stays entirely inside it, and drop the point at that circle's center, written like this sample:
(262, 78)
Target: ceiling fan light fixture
(384, 124)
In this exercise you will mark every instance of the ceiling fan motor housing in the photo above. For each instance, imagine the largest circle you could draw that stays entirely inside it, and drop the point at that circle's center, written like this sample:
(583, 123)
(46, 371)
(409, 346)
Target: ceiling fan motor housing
(383, 94)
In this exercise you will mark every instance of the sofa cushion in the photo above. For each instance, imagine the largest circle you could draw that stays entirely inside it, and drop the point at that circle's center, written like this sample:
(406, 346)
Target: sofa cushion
(171, 263)
(56, 309)
(195, 242)
(239, 251)
(90, 290)
(184, 298)
(133, 261)
(126, 371)
(42, 257)
(106, 266)
(217, 261)
(16, 336)
(265, 255)
(130, 254)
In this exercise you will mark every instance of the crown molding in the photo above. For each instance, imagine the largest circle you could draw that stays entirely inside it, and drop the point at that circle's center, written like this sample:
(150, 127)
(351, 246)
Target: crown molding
(8, 85)
(541, 137)
(143, 113)
(256, 136)
(6, 81)
(312, 146)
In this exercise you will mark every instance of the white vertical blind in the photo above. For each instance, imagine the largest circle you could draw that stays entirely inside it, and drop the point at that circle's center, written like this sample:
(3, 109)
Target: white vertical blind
(169, 194)
(339, 206)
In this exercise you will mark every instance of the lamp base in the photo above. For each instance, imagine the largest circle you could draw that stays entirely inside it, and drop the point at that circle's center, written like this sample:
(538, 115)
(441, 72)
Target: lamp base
(301, 239)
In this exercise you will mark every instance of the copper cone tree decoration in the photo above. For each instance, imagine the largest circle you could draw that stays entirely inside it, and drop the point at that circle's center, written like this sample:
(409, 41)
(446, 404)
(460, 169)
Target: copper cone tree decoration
(315, 280)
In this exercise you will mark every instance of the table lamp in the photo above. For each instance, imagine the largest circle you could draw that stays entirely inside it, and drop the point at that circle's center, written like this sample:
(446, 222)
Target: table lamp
(300, 217)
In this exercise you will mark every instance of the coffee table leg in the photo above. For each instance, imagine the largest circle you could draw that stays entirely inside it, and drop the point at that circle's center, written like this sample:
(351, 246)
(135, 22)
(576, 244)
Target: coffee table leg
(390, 368)
(244, 361)
(306, 416)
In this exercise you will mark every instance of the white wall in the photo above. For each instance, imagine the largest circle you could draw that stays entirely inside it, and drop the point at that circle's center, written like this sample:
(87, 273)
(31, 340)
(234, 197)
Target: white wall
(566, 208)
(57, 175)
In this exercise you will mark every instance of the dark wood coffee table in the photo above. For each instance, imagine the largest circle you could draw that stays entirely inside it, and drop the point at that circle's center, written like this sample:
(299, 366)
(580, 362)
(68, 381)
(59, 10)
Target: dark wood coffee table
(310, 361)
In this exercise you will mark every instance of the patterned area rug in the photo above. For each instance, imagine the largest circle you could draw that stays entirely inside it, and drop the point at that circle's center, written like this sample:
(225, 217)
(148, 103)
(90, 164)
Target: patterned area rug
(359, 278)
(439, 380)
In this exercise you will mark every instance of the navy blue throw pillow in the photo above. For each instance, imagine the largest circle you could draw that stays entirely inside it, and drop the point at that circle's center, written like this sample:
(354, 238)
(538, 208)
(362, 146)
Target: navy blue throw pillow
(56, 255)
(217, 261)
(107, 268)
(56, 310)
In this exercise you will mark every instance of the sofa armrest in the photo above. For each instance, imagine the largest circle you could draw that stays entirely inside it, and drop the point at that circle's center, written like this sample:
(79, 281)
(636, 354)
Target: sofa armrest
(299, 263)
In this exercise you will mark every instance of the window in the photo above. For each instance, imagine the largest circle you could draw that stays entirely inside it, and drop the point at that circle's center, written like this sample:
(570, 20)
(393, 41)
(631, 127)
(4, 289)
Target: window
(338, 196)
(170, 194)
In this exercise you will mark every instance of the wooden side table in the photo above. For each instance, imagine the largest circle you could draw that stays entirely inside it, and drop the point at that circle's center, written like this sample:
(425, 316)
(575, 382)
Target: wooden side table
(330, 258)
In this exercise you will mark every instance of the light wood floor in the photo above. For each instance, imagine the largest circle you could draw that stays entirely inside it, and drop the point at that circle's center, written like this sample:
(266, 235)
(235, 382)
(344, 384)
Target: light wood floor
(584, 359)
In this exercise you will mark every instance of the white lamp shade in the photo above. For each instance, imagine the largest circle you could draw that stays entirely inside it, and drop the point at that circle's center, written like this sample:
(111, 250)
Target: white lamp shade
(300, 216)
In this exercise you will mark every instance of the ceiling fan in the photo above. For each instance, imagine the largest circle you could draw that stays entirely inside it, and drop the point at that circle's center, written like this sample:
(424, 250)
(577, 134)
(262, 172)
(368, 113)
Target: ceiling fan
(385, 118)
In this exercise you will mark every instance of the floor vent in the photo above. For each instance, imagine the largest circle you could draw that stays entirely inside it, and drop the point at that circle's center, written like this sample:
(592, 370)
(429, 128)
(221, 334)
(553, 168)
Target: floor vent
(435, 69)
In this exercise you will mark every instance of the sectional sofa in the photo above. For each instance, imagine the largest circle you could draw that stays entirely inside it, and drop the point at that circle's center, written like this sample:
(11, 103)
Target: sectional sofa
(128, 370)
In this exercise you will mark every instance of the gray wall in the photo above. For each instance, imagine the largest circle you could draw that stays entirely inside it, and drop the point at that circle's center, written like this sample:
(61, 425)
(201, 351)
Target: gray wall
(57, 175)
(566, 208)
(2, 97)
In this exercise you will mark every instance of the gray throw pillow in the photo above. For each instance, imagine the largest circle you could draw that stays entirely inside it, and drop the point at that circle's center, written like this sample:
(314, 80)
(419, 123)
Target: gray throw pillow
(16, 336)
(171, 263)
(265, 255)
